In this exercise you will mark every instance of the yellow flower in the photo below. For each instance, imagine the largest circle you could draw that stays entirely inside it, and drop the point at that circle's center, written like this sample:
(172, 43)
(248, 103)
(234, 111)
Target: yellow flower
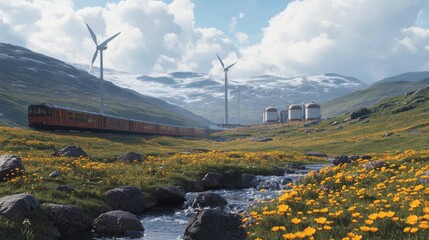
(300, 235)
(282, 208)
(320, 220)
(415, 203)
(373, 216)
(390, 214)
(295, 220)
(309, 231)
(275, 228)
(356, 214)
(423, 226)
(289, 236)
(369, 221)
(414, 230)
(426, 210)
(407, 230)
(327, 228)
(364, 228)
(381, 214)
(412, 219)
(373, 229)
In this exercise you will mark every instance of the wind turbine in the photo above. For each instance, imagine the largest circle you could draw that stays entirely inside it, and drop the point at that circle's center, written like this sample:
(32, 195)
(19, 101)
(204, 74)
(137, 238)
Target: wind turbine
(100, 47)
(225, 69)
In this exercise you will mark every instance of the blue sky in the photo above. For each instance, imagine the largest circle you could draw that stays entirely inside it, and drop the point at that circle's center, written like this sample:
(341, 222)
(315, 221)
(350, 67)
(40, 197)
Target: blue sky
(219, 14)
(367, 39)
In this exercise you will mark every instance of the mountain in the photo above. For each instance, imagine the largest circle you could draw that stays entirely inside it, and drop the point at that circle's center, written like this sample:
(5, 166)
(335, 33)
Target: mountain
(203, 94)
(388, 87)
(28, 78)
(407, 77)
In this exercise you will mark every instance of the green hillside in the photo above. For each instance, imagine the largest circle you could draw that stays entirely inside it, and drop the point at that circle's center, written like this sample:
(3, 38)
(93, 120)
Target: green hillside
(31, 78)
(369, 96)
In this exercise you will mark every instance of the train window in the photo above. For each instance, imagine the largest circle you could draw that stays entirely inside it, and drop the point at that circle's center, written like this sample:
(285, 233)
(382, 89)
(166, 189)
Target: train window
(39, 110)
(57, 115)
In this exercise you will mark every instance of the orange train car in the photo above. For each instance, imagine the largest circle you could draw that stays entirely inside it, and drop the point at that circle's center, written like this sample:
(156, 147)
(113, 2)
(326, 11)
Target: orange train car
(52, 117)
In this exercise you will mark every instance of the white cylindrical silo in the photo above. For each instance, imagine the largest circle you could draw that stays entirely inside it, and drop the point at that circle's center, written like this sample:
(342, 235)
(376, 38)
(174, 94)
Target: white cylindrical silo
(295, 112)
(312, 111)
(270, 115)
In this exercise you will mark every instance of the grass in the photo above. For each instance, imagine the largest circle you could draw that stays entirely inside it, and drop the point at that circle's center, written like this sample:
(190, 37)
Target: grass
(351, 202)
(172, 161)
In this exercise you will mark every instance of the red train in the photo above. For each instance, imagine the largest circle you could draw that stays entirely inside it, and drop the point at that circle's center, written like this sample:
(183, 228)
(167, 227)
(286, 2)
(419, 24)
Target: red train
(51, 117)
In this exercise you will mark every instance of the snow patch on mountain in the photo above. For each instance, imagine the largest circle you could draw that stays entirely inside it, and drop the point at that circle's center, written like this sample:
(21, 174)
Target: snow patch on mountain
(203, 94)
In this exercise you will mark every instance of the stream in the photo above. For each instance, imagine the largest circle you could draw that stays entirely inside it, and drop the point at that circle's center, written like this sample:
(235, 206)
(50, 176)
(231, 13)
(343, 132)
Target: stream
(171, 224)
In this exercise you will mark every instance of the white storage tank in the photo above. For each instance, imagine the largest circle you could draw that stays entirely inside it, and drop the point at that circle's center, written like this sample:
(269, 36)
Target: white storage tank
(295, 112)
(270, 115)
(312, 111)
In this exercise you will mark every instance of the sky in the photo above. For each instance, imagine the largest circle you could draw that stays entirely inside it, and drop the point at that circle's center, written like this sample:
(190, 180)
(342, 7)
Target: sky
(366, 39)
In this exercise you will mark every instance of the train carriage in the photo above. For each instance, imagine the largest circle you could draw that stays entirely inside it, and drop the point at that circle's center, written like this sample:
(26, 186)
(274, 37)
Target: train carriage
(46, 116)
(137, 126)
(52, 117)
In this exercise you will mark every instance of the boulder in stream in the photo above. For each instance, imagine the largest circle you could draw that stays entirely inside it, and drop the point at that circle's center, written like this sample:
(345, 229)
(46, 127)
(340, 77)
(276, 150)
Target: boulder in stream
(212, 224)
(127, 198)
(117, 223)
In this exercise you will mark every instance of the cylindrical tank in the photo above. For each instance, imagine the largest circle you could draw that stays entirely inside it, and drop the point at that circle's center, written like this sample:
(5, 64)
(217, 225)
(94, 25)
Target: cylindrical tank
(312, 111)
(295, 112)
(270, 115)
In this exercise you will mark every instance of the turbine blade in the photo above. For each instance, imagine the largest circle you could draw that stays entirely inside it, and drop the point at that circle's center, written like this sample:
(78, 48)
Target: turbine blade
(227, 68)
(220, 60)
(110, 39)
(93, 60)
(92, 34)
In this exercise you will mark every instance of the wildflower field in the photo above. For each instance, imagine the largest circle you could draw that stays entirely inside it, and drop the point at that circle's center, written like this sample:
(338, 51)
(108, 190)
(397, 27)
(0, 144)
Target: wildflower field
(351, 201)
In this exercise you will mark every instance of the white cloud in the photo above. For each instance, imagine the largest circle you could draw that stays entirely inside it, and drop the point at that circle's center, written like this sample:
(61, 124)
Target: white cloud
(363, 38)
(242, 37)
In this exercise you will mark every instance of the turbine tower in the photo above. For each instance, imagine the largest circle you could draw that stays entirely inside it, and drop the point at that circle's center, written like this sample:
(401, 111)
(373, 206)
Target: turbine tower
(100, 47)
(225, 69)
(238, 105)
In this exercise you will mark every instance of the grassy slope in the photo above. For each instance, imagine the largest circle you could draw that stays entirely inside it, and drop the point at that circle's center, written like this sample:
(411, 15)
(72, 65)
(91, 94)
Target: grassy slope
(410, 128)
(92, 177)
(370, 96)
(28, 78)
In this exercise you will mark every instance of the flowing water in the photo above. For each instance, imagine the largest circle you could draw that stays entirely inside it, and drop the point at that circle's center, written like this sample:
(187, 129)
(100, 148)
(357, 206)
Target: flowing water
(170, 225)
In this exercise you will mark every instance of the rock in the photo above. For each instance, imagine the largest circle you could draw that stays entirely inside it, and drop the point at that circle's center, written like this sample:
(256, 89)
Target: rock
(65, 188)
(278, 171)
(54, 174)
(193, 186)
(296, 166)
(365, 157)
(211, 200)
(359, 113)
(316, 154)
(131, 157)
(117, 223)
(335, 123)
(409, 93)
(354, 158)
(48, 232)
(133, 234)
(212, 224)
(234, 179)
(170, 197)
(127, 198)
(388, 134)
(341, 160)
(365, 121)
(374, 165)
(212, 181)
(273, 184)
(267, 139)
(339, 128)
(68, 219)
(10, 167)
(18, 206)
(70, 151)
